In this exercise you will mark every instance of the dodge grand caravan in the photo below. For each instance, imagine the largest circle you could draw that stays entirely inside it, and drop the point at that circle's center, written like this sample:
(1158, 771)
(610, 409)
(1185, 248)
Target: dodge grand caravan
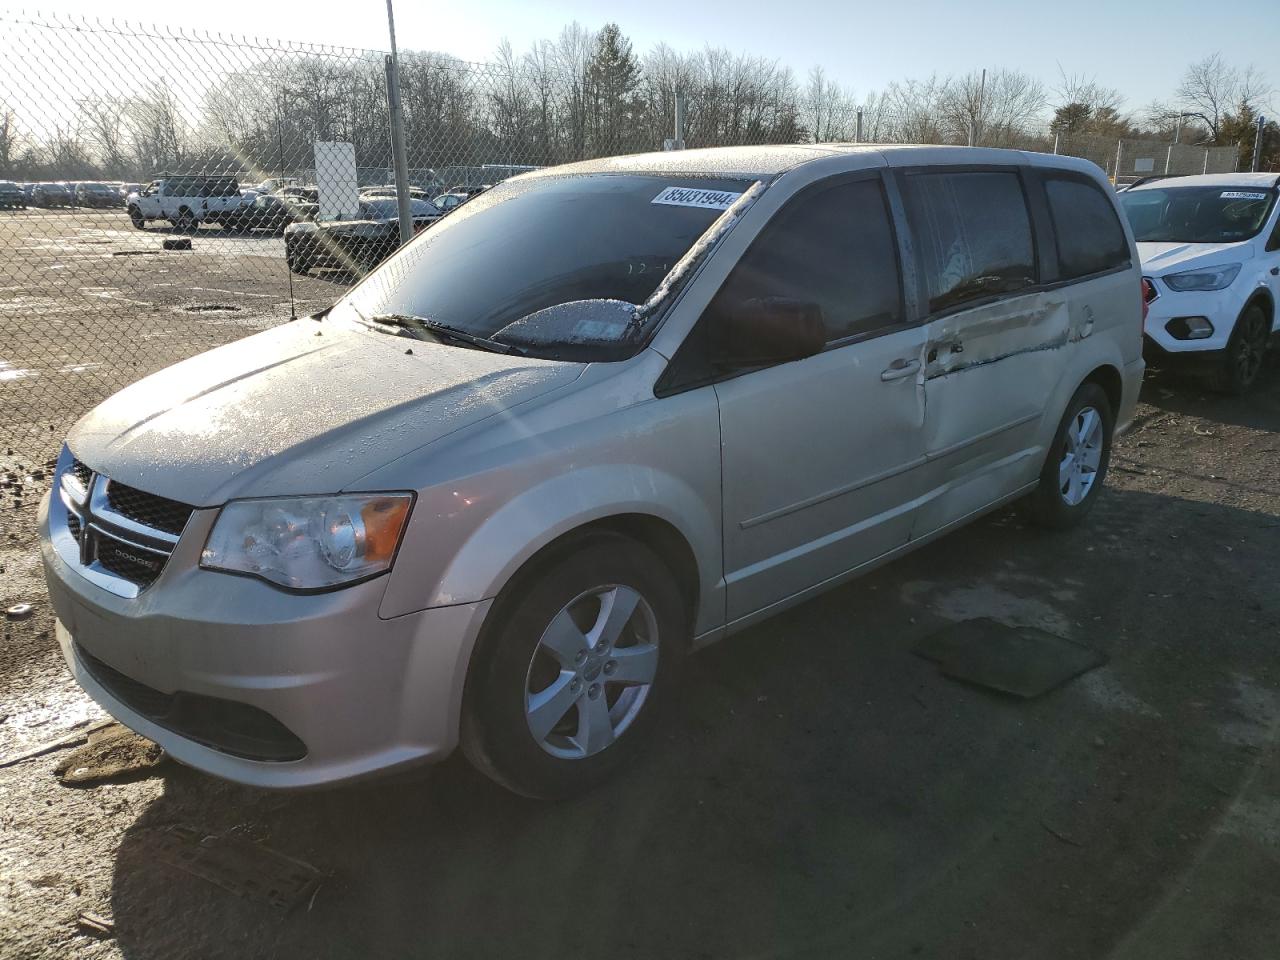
(598, 417)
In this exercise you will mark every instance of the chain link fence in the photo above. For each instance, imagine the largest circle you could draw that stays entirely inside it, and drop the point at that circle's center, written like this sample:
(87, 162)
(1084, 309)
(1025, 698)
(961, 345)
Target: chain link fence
(162, 178)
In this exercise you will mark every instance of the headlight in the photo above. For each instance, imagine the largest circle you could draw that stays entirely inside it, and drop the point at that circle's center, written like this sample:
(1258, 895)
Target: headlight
(308, 543)
(1213, 279)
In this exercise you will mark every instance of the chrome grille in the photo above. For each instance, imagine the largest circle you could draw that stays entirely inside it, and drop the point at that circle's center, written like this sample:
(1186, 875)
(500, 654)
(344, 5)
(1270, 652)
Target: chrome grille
(115, 535)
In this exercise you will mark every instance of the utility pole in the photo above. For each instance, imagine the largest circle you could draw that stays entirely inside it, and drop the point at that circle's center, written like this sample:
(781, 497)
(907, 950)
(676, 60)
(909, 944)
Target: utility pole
(1257, 144)
(397, 134)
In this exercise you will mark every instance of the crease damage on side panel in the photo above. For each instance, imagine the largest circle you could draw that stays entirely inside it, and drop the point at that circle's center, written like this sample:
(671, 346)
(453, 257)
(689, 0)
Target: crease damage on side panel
(994, 333)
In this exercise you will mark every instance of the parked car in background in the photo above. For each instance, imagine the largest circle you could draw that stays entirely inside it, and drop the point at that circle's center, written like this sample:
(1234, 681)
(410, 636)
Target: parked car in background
(447, 201)
(92, 194)
(52, 194)
(496, 493)
(188, 201)
(12, 196)
(389, 190)
(275, 211)
(1210, 248)
(357, 245)
(127, 188)
(273, 184)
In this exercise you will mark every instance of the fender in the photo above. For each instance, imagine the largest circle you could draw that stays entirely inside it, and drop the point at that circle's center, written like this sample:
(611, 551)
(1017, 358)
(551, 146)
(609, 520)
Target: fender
(482, 564)
(1084, 356)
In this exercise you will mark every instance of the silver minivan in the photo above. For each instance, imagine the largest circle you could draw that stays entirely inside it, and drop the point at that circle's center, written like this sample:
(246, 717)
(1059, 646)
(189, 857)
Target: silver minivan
(598, 417)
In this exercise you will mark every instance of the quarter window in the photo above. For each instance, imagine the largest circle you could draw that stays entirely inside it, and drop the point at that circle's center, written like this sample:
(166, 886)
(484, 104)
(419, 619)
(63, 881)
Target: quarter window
(973, 234)
(835, 247)
(1090, 238)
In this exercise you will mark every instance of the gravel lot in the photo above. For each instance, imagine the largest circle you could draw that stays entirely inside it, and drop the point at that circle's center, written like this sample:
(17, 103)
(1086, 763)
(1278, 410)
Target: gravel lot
(820, 790)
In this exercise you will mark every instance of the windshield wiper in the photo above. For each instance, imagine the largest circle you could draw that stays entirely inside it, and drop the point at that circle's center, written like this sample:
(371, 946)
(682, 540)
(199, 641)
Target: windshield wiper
(411, 324)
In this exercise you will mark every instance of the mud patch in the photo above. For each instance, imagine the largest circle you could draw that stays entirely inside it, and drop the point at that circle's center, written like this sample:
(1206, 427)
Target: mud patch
(985, 600)
(113, 753)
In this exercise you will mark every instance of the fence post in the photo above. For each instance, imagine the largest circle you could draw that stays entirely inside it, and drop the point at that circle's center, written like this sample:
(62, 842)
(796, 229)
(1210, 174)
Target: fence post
(1168, 158)
(679, 131)
(1206, 161)
(1257, 144)
(1056, 135)
(857, 130)
(403, 207)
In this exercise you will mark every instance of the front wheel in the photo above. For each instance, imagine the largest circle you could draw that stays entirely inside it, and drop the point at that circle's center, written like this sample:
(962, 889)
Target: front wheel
(1077, 462)
(1243, 356)
(136, 217)
(572, 667)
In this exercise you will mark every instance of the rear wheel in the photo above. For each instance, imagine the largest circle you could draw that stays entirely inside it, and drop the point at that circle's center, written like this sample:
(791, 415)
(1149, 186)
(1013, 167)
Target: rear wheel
(297, 261)
(186, 221)
(1077, 462)
(572, 667)
(1243, 357)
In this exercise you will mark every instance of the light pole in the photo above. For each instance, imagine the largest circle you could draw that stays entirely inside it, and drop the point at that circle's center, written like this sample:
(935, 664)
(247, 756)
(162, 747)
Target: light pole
(397, 134)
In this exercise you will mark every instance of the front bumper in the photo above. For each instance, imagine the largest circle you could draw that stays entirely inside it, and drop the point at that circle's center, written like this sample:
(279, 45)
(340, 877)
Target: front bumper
(362, 694)
(1220, 307)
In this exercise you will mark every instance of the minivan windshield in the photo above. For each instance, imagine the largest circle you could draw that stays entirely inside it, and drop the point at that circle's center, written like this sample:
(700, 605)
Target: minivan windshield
(528, 245)
(1197, 214)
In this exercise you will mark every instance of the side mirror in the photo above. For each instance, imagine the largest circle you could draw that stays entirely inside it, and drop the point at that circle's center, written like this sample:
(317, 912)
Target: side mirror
(767, 330)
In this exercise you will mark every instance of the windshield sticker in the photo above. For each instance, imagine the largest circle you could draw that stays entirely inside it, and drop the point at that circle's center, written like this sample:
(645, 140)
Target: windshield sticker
(600, 329)
(690, 197)
(1241, 195)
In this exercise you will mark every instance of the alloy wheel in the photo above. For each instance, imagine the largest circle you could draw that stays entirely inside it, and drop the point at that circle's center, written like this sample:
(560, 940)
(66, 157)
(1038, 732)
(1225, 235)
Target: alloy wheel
(591, 672)
(1250, 348)
(1081, 456)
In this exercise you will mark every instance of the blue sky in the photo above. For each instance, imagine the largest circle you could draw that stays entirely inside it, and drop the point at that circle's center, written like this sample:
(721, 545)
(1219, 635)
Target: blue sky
(1139, 48)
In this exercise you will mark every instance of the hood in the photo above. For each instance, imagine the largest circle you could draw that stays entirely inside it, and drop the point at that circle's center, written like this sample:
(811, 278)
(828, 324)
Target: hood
(304, 408)
(1174, 257)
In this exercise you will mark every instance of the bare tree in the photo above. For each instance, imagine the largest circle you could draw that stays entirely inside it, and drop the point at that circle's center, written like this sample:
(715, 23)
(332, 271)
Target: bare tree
(1212, 90)
(157, 129)
(995, 112)
(10, 141)
(104, 120)
(826, 109)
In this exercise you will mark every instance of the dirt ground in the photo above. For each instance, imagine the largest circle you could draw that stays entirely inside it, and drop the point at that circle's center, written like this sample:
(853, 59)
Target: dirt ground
(820, 791)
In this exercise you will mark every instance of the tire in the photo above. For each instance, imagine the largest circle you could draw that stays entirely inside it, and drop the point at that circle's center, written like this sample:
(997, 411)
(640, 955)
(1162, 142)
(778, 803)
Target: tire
(592, 725)
(138, 220)
(1069, 482)
(1242, 359)
(296, 261)
(186, 222)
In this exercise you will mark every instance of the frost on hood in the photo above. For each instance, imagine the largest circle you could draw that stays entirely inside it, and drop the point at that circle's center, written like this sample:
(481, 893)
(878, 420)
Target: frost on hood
(693, 256)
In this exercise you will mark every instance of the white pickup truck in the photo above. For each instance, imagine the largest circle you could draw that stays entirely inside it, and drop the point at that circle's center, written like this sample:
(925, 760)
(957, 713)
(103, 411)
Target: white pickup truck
(188, 201)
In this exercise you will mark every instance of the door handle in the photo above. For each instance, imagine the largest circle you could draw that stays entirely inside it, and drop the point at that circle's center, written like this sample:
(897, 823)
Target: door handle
(899, 369)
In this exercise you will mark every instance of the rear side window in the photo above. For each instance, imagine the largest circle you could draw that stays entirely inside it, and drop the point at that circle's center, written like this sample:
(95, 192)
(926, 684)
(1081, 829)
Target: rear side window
(973, 234)
(835, 247)
(1090, 238)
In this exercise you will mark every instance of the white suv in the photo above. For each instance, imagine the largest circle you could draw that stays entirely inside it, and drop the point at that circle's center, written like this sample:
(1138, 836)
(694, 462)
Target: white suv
(1210, 249)
(186, 202)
